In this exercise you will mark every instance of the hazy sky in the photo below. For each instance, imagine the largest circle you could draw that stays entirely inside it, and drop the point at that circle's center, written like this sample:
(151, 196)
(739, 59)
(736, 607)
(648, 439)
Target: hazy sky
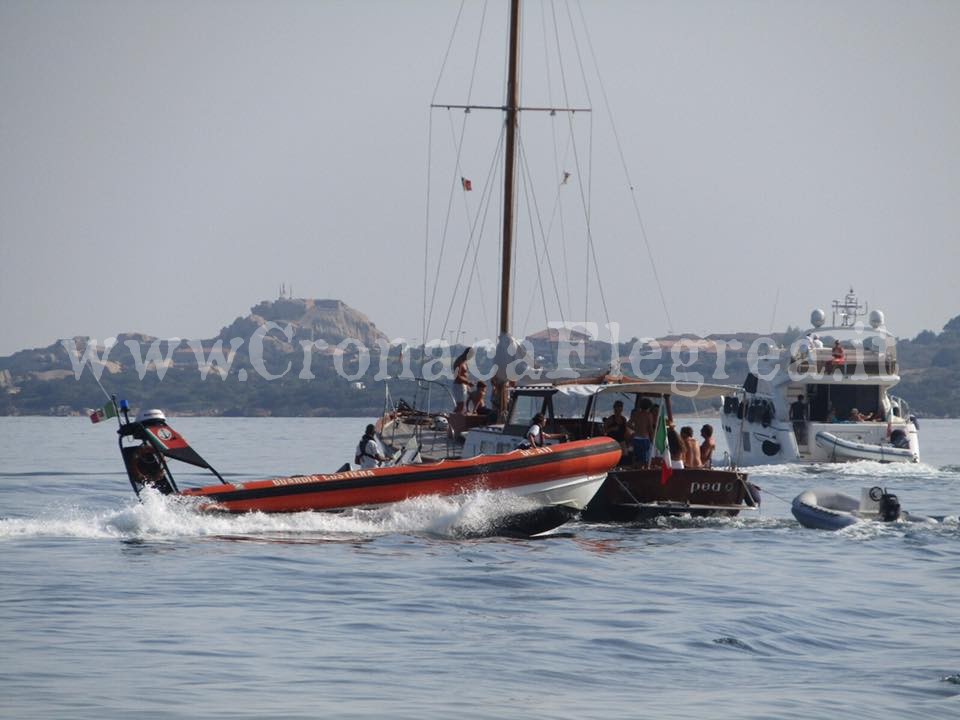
(166, 165)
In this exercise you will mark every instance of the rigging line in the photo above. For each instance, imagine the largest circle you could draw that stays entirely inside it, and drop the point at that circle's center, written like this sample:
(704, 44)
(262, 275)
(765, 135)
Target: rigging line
(426, 240)
(446, 54)
(556, 154)
(446, 223)
(471, 237)
(535, 207)
(566, 98)
(546, 247)
(626, 170)
(498, 155)
(555, 212)
(426, 225)
(591, 245)
(446, 227)
(526, 182)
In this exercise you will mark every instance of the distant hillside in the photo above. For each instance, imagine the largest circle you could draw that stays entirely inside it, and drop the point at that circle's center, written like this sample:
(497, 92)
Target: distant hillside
(219, 375)
(283, 359)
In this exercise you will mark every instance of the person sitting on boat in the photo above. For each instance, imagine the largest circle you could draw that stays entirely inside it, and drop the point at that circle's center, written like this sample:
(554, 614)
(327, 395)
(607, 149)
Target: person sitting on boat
(838, 357)
(476, 402)
(642, 423)
(615, 425)
(461, 385)
(690, 449)
(857, 416)
(675, 446)
(369, 452)
(707, 446)
(536, 436)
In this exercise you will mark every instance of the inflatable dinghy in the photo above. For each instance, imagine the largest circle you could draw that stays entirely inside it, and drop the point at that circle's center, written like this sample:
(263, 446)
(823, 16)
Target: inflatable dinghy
(825, 509)
(841, 449)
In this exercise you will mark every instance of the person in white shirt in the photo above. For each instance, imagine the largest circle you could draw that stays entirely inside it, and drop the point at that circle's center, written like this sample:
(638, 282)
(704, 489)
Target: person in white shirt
(369, 453)
(536, 437)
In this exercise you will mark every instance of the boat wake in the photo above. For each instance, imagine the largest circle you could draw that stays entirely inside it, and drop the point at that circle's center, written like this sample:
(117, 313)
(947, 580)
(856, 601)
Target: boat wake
(861, 468)
(160, 517)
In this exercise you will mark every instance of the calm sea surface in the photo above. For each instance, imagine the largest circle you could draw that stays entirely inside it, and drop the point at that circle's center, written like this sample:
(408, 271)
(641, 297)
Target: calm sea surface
(114, 609)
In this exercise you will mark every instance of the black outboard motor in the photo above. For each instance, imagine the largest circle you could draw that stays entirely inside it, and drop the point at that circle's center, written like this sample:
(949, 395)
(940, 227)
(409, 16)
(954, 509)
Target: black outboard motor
(889, 507)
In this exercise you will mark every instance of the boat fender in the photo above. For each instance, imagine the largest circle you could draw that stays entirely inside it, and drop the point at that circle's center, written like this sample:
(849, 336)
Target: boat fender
(770, 448)
(752, 412)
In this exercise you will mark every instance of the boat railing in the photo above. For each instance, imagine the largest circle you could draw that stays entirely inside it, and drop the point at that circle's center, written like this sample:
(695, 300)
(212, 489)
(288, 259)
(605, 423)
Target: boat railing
(856, 361)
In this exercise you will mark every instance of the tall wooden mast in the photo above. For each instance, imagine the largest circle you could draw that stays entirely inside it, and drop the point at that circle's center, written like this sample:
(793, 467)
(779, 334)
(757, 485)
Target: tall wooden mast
(509, 175)
(509, 167)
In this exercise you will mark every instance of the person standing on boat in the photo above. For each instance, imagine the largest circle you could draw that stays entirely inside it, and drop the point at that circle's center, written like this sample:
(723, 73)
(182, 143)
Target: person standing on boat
(642, 422)
(616, 425)
(675, 447)
(461, 386)
(707, 446)
(369, 452)
(839, 357)
(691, 451)
(798, 415)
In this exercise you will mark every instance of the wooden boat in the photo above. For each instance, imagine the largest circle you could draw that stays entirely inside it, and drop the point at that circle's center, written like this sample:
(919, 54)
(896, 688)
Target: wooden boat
(564, 477)
(630, 492)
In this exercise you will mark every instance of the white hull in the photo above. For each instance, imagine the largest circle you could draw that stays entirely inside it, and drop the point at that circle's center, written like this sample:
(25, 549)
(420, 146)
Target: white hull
(574, 492)
(840, 450)
(778, 443)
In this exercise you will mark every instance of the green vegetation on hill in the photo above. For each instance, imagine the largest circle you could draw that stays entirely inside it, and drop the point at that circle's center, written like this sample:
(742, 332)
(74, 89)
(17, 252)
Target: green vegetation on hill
(43, 382)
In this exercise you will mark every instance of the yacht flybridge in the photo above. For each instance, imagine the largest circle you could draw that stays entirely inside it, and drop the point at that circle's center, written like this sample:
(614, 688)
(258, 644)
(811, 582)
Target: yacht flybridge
(826, 398)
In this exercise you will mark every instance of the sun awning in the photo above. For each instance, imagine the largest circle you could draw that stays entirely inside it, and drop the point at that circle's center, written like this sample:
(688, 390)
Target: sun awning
(702, 391)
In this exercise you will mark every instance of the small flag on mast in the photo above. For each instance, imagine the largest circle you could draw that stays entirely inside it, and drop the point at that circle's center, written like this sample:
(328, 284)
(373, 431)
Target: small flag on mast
(467, 185)
(566, 177)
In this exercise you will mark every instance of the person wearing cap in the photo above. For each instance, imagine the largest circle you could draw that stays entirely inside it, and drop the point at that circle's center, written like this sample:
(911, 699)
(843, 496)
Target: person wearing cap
(369, 453)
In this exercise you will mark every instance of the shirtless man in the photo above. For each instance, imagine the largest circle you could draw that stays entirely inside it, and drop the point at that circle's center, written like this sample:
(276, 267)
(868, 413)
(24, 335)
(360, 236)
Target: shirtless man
(707, 446)
(691, 451)
(642, 423)
(616, 425)
(461, 385)
(475, 400)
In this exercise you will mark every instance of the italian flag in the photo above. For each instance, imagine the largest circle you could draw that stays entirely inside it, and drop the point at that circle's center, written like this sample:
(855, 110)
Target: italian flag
(660, 443)
(107, 411)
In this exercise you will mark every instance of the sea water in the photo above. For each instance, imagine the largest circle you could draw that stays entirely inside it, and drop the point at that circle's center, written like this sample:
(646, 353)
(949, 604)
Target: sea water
(113, 608)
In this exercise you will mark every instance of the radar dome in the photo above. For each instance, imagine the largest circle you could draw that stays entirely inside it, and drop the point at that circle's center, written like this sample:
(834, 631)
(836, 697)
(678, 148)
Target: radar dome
(876, 319)
(817, 317)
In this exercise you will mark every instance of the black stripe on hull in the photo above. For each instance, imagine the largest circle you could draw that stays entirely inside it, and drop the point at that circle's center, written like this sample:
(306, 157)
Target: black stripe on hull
(440, 473)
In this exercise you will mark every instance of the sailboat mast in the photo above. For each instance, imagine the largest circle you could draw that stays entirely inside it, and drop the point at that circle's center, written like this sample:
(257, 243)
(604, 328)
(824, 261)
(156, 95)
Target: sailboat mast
(509, 166)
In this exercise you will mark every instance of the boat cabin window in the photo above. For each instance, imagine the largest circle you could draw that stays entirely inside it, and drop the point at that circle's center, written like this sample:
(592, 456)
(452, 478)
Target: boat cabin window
(522, 410)
(829, 402)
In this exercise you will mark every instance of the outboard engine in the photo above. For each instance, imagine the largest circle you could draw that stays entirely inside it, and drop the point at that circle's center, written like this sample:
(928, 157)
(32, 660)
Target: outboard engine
(899, 439)
(888, 504)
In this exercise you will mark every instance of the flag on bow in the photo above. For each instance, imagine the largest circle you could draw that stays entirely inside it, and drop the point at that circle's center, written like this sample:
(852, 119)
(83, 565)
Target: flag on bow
(107, 411)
